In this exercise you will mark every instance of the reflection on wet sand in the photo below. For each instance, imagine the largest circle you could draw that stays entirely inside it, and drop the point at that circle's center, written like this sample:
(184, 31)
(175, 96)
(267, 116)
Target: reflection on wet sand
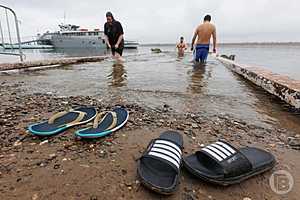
(196, 82)
(118, 76)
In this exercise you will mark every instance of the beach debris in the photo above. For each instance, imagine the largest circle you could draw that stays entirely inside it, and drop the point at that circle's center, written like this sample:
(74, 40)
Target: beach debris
(85, 166)
(156, 50)
(231, 57)
(44, 142)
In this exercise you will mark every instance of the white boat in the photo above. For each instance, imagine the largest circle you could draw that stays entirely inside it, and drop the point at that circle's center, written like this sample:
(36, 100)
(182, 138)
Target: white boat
(129, 44)
(71, 36)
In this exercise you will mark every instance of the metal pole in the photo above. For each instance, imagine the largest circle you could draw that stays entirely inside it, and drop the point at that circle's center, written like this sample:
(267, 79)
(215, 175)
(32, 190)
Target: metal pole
(8, 28)
(18, 36)
(2, 38)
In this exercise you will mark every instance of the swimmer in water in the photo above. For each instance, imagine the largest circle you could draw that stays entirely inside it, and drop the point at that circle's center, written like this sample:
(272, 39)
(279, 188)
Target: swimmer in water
(181, 47)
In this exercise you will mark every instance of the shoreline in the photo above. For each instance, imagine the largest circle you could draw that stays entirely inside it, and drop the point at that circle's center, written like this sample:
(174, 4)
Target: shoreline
(229, 44)
(38, 168)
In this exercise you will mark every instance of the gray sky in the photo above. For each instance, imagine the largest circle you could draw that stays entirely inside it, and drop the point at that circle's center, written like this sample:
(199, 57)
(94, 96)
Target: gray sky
(164, 21)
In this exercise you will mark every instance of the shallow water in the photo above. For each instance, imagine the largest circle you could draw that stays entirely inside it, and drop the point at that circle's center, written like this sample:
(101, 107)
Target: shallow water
(155, 79)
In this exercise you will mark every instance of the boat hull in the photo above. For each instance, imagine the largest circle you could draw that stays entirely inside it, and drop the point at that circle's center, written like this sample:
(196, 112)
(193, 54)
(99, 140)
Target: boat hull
(60, 41)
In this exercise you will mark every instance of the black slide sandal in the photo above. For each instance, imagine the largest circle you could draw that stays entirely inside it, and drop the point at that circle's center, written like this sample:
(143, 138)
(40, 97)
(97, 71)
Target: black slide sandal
(223, 164)
(159, 167)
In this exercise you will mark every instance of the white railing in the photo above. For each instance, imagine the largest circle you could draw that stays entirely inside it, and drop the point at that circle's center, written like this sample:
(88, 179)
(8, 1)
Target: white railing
(20, 54)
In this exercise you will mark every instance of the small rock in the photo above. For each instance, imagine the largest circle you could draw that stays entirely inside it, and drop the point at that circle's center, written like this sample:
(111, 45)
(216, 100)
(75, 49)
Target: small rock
(35, 197)
(124, 172)
(294, 141)
(194, 125)
(42, 164)
(52, 156)
(56, 166)
(128, 184)
(272, 145)
(93, 198)
(202, 145)
(17, 143)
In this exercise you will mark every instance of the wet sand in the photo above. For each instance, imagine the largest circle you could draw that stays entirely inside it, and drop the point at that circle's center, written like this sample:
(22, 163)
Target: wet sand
(63, 167)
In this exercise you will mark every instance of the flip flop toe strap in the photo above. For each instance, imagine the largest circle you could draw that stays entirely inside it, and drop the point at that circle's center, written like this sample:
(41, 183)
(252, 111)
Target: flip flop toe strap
(98, 119)
(165, 151)
(80, 116)
(231, 161)
(114, 121)
(101, 116)
(56, 116)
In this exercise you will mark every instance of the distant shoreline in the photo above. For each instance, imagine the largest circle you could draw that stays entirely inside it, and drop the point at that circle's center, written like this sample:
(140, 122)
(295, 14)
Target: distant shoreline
(229, 43)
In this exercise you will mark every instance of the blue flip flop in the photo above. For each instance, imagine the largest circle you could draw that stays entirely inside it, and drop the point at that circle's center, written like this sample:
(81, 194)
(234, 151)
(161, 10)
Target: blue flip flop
(105, 123)
(63, 120)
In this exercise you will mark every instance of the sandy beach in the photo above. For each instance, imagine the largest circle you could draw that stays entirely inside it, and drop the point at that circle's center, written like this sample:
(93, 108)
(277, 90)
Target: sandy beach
(63, 167)
(223, 76)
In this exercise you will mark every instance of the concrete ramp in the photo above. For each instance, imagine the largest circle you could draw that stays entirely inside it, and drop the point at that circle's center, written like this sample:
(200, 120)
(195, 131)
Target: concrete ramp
(41, 63)
(284, 87)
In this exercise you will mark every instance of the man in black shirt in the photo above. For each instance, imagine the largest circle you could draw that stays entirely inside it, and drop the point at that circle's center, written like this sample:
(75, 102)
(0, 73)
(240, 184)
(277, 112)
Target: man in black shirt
(113, 31)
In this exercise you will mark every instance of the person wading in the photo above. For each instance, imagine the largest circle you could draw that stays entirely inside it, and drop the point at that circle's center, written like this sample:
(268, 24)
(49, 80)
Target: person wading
(114, 39)
(181, 47)
(203, 34)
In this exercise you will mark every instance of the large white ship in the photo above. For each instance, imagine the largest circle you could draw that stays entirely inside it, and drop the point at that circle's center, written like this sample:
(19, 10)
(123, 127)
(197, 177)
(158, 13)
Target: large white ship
(72, 36)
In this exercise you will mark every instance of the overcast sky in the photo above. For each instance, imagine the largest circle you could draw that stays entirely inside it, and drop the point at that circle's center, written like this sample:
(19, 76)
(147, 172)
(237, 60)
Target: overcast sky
(163, 21)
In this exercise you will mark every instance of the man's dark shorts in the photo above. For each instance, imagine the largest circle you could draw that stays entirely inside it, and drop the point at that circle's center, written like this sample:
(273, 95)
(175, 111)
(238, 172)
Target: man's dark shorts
(118, 50)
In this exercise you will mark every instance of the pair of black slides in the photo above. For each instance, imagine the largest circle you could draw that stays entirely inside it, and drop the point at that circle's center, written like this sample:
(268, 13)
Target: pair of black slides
(159, 167)
(104, 123)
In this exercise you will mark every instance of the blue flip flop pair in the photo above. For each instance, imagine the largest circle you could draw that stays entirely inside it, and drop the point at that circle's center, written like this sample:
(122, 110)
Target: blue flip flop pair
(104, 123)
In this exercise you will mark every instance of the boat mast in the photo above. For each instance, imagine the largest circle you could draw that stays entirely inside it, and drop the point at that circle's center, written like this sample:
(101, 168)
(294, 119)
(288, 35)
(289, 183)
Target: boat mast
(64, 17)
